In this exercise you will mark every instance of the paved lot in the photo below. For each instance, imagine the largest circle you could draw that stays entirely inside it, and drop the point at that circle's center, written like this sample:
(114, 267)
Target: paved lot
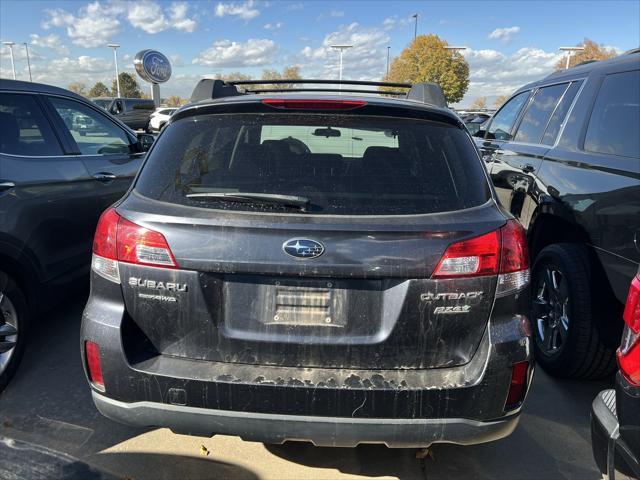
(49, 428)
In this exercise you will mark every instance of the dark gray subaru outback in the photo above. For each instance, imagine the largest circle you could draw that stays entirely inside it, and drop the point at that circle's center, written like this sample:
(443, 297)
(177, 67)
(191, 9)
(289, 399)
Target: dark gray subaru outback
(310, 266)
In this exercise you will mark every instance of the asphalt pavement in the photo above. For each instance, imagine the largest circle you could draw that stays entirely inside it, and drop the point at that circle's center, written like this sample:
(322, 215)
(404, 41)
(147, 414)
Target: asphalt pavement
(49, 429)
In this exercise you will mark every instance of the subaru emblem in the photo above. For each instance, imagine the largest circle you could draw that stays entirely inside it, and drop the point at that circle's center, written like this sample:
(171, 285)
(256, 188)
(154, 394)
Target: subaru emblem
(303, 248)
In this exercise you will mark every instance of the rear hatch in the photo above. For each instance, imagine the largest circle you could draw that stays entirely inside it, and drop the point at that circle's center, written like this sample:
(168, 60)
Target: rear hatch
(309, 239)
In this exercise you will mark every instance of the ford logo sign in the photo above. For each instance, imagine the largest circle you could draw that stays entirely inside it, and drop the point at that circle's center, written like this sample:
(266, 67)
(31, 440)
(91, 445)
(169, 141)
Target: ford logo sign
(152, 66)
(303, 248)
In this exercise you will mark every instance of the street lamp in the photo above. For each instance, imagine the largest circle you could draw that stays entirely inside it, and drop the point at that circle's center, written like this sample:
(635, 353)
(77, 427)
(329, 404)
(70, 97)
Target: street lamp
(415, 29)
(341, 48)
(569, 50)
(26, 47)
(13, 65)
(115, 47)
(452, 47)
(388, 50)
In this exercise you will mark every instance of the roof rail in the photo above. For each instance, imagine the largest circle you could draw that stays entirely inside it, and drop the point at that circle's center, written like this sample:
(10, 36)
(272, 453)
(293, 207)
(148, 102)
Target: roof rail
(321, 82)
(632, 51)
(208, 89)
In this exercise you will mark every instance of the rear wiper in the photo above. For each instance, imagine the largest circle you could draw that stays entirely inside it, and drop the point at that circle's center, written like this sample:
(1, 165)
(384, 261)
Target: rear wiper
(289, 200)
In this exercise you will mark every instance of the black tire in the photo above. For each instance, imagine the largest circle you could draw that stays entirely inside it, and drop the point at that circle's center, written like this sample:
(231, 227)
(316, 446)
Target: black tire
(12, 293)
(161, 126)
(567, 341)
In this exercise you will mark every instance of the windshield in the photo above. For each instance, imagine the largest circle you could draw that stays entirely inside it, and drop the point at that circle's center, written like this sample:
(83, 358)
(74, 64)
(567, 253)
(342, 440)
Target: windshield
(343, 164)
(102, 103)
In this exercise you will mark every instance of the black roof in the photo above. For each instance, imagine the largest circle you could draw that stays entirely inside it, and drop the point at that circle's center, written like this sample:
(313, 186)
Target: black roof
(32, 87)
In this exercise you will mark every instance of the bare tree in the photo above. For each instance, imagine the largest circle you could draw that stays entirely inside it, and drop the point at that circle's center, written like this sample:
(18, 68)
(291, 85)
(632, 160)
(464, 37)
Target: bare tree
(78, 87)
(479, 103)
(499, 101)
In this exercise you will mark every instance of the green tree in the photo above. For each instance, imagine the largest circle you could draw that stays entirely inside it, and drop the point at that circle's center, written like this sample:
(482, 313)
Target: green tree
(592, 51)
(78, 87)
(99, 90)
(129, 87)
(427, 60)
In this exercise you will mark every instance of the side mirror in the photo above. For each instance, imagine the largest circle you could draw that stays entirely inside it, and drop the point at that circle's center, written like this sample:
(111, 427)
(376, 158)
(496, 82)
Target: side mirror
(145, 140)
(480, 133)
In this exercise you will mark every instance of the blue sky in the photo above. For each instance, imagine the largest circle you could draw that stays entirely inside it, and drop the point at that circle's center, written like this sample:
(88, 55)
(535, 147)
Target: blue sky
(510, 43)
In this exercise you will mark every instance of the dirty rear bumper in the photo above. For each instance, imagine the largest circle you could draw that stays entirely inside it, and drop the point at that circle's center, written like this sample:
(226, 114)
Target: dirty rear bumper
(321, 431)
(328, 406)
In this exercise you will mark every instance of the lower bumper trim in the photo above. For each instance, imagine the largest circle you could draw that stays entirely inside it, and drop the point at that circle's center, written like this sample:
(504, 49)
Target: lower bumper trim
(321, 431)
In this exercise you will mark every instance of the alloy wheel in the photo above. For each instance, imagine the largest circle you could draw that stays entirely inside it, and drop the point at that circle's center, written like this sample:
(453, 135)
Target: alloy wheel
(550, 310)
(8, 330)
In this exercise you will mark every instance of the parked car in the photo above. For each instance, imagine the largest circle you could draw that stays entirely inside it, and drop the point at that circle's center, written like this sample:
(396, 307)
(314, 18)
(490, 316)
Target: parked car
(133, 112)
(160, 117)
(563, 154)
(474, 123)
(313, 267)
(615, 414)
(56, 177)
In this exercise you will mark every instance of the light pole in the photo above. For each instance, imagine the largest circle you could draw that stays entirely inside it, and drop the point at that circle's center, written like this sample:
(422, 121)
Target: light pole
(13, 65)
(388, 50)
(115, 47)
(415, 29)
(569, 50)
(341, 48)
(455, 48)
(26, 47)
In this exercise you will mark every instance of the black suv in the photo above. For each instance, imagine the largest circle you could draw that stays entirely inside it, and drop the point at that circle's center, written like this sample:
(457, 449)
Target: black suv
(133, 112)
(56, 177)
(564, 156)
(313, 267)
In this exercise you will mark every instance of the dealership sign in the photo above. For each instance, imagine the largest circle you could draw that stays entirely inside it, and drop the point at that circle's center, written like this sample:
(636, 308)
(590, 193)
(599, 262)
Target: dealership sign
(152, 66)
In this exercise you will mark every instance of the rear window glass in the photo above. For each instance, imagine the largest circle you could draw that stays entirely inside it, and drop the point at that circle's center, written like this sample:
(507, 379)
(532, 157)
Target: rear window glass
(342, 164)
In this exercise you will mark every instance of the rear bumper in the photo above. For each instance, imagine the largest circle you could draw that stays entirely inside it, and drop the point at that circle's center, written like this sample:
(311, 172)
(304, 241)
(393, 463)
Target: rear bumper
(327, 406)
(321, 431)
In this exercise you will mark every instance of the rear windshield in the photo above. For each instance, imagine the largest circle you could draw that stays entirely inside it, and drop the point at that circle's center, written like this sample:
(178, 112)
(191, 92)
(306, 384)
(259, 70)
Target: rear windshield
(341, 164)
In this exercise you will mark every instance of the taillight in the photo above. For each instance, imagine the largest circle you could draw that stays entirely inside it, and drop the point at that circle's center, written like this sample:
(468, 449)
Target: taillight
(518, 385)
(502, 252)
(629, 351)
(94, 367)
(120, 240)
(302, 104)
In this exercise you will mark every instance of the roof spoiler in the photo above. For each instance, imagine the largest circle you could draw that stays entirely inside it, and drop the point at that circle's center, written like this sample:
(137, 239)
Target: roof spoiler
(208, 89)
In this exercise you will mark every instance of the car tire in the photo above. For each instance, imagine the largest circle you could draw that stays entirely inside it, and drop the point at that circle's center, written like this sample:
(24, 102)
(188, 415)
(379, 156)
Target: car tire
(567, 341)
(14, 319)
(161, 127)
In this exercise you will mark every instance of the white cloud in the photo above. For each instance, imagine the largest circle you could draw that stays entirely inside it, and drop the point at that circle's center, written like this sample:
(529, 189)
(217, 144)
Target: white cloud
(504, 34)
(493, 73)
(365, 61)
(394, 21)
(273, 26)
(147, 15)
(93, 26)
(245, 11)
(336, 13)
(49, 41)
(226, 53)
